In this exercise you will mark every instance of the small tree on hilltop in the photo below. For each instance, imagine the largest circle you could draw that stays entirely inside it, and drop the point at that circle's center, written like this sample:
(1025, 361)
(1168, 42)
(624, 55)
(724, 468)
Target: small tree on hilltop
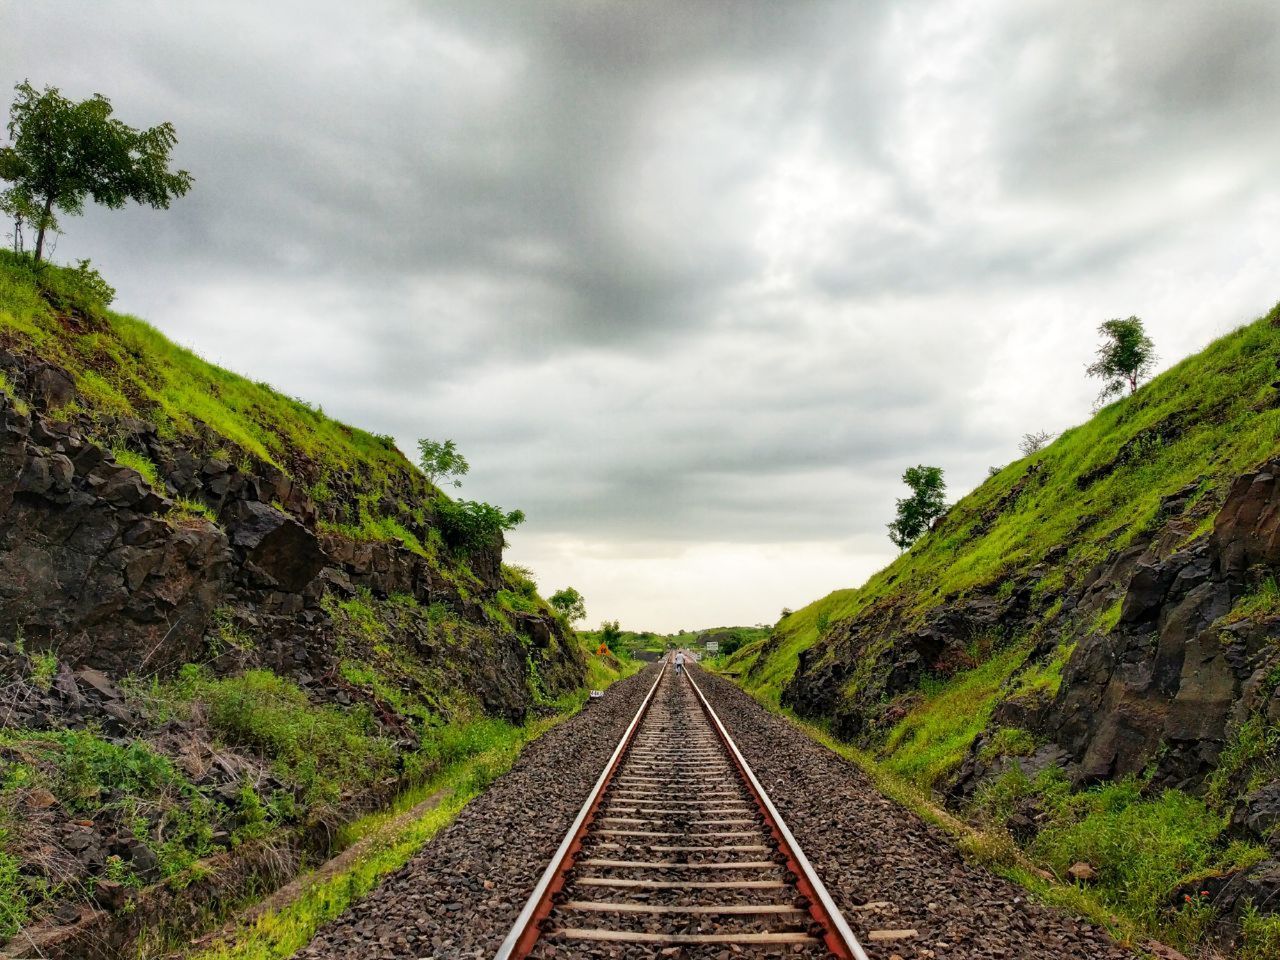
(1125, 356)
(569, 602)
(63, 152)
(441, 462)
(917, 512)
(1034, 441)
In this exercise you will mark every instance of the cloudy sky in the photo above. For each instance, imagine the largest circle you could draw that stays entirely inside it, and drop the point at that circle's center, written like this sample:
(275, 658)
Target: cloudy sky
(690, 282)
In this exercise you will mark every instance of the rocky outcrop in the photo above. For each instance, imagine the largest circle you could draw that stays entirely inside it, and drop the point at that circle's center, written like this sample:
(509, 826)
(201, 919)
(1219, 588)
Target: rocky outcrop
(1166, 685)
(88, 561)
(868, 663)
(123, 575)
(1159, 692)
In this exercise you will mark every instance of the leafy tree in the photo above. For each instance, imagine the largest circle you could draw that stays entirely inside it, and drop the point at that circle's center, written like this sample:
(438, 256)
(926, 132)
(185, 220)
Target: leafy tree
(1124, 357)
(64, 151)
(470, 526)
(1031, 442)
(917, 512)
(570, 603)
(610, 633)
(441, 462)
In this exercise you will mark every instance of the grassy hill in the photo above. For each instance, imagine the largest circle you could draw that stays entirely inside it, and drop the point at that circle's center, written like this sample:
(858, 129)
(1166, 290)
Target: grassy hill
(946, 668)
(228, 624)
(1093, 490)
(123, 367)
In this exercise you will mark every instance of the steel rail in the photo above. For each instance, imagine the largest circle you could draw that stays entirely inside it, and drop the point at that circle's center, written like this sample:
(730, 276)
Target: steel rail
(838, 938)
(527, 928)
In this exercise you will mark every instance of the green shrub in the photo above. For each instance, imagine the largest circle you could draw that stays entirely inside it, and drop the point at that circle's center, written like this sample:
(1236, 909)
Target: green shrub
(80, 288)
(85, 766)
(44, 668)
(470, 526)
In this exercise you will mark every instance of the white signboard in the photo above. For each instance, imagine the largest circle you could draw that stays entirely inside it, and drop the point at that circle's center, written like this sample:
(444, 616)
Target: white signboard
(712, 646)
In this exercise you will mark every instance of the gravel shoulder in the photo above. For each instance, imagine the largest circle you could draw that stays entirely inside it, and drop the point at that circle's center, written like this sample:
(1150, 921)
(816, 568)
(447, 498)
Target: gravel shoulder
(461, 893)
(868, 849)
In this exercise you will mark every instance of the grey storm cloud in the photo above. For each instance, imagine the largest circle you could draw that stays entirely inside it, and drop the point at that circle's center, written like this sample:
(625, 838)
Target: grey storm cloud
(687, 273)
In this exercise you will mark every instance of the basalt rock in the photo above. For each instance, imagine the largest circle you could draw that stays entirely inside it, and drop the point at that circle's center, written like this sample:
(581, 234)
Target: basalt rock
(275, 543)
(1164, 687)
(94, 563)
(886, 660)
(1163, 690)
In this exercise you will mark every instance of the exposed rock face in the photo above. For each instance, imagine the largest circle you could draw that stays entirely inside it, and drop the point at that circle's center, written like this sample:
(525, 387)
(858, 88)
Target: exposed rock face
(1161, 690)
(277, 545)
(104, 568)
(890, 659)
(87, 560)
(1164, 686)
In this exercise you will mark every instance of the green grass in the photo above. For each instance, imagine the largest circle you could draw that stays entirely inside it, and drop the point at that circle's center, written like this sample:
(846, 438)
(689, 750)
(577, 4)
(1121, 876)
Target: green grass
(766, 675)
(1044, 679)
(1261, 601)
(1261, 935)
(124, 367)
(479, 756)
(1142, 846)
(14, 904)
(934, 737)
(136, 461)
(321, 750)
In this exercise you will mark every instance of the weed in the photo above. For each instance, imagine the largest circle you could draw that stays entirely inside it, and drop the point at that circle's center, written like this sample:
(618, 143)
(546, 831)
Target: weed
(320, 749)
(44, 668)
(1261, 934)
(136, 461)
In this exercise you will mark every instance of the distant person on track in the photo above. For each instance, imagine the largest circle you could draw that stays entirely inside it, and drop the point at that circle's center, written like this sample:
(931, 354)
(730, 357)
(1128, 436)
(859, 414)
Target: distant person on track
(679, 661)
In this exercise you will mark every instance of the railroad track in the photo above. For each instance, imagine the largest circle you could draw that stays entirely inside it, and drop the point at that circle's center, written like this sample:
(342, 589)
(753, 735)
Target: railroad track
(678, 846)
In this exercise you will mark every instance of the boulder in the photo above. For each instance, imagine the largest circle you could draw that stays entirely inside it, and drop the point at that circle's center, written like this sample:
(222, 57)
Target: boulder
(50, 387)
(1082, 872)
(1247, 529)
(1257, 815)
(275, 543)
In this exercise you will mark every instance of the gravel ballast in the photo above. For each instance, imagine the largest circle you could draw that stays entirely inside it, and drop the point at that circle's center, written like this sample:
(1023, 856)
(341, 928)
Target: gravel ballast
(459, 896)
(868, 849)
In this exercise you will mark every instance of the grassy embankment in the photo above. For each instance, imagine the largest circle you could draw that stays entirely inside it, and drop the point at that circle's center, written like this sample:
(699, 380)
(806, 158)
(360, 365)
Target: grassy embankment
(321, 761)
(1095, 489)
(389, 841)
